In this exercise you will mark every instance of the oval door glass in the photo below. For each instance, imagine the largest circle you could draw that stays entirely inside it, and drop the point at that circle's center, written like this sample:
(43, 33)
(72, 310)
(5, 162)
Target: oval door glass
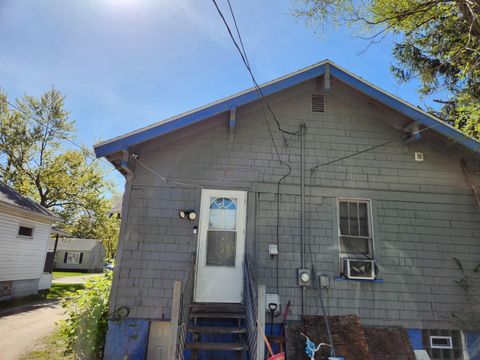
(222, 232)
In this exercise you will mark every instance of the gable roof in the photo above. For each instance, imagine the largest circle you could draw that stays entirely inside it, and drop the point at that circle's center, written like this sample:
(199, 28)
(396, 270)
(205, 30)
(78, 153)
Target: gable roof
(74, 244)
(180, 121)
(12, 199)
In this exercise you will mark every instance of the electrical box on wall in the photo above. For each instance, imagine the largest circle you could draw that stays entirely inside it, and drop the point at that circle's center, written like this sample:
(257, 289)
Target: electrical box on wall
(419, 156)
(272, 249)
(304, 277)
(272, 299)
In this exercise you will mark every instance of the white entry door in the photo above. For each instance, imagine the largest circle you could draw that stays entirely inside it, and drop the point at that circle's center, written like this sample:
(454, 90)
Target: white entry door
(221, 246)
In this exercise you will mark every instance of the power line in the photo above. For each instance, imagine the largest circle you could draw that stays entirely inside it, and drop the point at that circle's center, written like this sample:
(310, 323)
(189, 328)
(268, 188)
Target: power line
(244, 57)
(164, 179)
(265, 104)
(63, 137)
(314, 169)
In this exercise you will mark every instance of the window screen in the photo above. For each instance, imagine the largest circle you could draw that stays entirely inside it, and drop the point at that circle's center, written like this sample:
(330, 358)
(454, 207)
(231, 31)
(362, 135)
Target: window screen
(73, 258)
(25, 231)
(354, 228)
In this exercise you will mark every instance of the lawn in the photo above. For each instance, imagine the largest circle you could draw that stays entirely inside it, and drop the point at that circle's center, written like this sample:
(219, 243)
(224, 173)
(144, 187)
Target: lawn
(56, 291)
(49, 348)
(64, 274)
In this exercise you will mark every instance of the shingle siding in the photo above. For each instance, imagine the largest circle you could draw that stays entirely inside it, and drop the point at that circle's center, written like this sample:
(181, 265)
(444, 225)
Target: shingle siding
(424, 212)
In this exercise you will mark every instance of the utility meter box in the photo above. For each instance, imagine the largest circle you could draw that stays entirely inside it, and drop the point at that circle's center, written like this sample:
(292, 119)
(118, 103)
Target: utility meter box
(272, 299)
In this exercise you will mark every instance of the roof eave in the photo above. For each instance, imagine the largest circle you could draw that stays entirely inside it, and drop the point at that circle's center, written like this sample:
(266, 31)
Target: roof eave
(51, 218)
(167, 126)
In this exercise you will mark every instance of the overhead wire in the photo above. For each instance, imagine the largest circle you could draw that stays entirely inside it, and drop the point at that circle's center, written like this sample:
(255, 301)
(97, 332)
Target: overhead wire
(264, 106)
(244, 57)
(164, 179)
(316, 167)
(63, 137)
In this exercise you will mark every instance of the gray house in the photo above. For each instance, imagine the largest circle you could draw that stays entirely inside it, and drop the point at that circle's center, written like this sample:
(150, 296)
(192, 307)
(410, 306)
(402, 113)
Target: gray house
(78, 254)
(329, 182)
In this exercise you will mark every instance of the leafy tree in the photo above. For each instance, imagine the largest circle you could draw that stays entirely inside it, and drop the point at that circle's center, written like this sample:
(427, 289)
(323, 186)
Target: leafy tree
(34, 161)
(439, 43)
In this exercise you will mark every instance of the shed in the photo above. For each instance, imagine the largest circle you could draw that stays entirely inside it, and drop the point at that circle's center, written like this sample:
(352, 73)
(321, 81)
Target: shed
(78, 254)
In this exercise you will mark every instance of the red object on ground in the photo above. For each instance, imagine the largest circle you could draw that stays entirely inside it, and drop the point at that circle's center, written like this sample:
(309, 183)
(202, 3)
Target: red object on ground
(279, 356)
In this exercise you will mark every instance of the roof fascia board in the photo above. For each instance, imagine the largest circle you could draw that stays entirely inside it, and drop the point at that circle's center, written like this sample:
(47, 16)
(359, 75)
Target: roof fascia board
(29, 214)
(401, 106)
(235, 101)
(158, 129)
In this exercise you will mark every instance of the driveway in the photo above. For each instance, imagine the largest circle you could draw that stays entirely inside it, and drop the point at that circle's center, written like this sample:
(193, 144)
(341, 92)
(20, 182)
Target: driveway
(22, 327)
(75, 279)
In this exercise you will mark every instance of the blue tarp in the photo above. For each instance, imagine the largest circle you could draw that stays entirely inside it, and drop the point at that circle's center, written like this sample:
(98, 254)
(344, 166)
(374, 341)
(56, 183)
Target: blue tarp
(472, 338)
(415, 337)
(126, 339)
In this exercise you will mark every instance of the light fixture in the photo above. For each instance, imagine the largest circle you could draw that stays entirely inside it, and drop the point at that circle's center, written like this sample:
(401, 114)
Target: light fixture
(187, 214)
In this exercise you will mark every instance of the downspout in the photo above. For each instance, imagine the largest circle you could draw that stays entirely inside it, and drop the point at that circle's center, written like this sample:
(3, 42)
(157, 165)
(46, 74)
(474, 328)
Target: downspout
(122, 236)
(302, 211)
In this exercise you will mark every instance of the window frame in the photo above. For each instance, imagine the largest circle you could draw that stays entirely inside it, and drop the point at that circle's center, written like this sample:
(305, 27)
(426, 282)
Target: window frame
(458, 344)
(370, 238)
(25, 226)
(432, 346)
(80, 257)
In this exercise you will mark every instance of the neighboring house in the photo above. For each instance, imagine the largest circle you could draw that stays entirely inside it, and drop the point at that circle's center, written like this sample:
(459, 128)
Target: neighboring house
(78, 254)
(25, 229)
(373, 179)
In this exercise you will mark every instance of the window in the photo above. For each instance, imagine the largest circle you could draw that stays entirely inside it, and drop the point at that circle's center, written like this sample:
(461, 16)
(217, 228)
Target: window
(443, 344)
(222, 232)
(25, 231)
(355, 234)
(73, 258)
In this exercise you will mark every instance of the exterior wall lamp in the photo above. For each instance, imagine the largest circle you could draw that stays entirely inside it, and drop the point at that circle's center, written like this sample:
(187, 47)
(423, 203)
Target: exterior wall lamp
(187, 214)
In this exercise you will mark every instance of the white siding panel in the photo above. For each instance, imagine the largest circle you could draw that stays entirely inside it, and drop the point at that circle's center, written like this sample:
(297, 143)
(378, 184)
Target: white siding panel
(22, 258)
(45, 281)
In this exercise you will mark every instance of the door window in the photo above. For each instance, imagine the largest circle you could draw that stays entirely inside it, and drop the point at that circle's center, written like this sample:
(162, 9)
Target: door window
(222, 232)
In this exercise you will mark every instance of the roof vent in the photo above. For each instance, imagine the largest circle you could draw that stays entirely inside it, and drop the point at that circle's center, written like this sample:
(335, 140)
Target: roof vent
(318, 103)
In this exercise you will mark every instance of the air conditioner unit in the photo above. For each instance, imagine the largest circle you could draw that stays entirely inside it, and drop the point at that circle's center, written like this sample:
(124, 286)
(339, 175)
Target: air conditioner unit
(359, 269)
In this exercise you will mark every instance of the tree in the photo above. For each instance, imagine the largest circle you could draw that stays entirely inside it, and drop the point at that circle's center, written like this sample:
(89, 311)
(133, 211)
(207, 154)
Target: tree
(35, 162)
(439, 43)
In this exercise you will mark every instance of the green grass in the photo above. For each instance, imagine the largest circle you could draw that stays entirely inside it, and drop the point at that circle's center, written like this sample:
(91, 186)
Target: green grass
(56, 291)
(49, 348)
(59, 291)
(64, 274)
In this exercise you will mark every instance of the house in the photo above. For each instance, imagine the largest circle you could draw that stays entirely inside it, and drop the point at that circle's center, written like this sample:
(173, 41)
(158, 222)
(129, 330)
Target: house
(379, 196)
(25, 229)
(78, 254)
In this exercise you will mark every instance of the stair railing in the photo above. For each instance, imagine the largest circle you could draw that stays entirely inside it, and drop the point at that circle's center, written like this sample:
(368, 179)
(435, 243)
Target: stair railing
(250, 300)
(182, 299)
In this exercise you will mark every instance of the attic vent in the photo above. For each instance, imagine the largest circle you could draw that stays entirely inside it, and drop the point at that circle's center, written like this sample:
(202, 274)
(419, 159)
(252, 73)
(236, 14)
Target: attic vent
(318, 103)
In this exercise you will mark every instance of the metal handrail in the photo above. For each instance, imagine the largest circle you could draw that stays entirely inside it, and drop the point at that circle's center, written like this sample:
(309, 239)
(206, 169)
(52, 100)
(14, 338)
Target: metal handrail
(186, 299)
(250, 302)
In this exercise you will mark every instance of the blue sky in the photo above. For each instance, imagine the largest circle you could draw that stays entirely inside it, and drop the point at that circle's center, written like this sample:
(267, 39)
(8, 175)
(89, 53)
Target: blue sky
(124, 64)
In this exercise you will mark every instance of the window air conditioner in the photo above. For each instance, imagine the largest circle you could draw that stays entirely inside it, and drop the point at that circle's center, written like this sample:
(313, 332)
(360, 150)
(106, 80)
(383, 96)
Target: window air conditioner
(359, 269)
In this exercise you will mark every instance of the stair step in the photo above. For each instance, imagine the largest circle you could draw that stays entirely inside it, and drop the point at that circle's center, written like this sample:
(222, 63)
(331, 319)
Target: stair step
(217, 346)
(217, 307)
(217, 315)
(217, 330)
